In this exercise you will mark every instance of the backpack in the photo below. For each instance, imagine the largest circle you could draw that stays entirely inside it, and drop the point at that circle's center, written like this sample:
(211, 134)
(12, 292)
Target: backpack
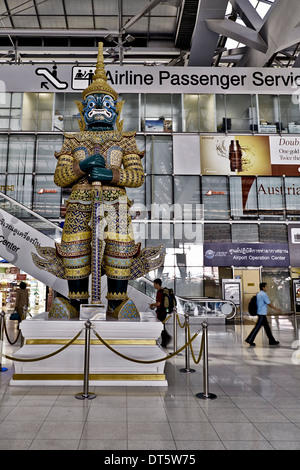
(252, 307)
(169, 300)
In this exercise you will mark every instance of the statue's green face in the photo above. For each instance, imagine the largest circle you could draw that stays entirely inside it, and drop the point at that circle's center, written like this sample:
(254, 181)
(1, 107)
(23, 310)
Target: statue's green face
(99, 112)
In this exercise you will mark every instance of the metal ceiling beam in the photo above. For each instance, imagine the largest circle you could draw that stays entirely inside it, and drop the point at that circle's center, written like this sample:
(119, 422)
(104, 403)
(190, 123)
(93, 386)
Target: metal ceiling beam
(238, 32)
(34, 32)
(204, 40)
(247, 13)
(140, 14)
(280, 23)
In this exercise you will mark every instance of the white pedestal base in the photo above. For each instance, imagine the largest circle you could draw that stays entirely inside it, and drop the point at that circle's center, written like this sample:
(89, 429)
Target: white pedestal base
(134, 339)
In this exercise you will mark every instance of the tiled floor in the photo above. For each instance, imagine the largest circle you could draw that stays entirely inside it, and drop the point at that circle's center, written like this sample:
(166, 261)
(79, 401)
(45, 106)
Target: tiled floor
(257, 404)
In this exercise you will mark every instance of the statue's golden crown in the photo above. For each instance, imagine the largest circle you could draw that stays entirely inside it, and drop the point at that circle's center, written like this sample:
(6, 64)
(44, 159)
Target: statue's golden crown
(99, 83)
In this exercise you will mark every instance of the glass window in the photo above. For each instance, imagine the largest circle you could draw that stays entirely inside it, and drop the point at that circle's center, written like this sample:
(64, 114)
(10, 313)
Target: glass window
(191, 113)
(159, 156)
(270, 194)
(45, 159)
(243, 197)
(244, 233)
(138, 209)
(187, 197)
(130, 111)
(269, 117)
(207, 107)
(46, 197)
(241, 113)
(222, 124)
(3, 153)
(217, 233)
(273, 233)
(289, 114)
(292, 199)
(15, 120)
(161, 113)
(16, 100)
(199, 113)
(5, 110)
(159, 197)
(21, 154)
(45, 111)
(189, 261)
(59, 108)
(30, 111)
(16, 112)
(20, 189)
(215, 197)
(71, 113)
(186, 154)
(279, 287)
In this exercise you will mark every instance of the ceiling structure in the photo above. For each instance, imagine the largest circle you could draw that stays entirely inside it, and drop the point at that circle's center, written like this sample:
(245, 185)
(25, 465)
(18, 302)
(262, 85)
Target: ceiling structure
(208, 33)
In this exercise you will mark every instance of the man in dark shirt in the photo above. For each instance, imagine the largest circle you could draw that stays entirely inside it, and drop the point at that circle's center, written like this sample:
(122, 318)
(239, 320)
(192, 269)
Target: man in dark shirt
(160, 311)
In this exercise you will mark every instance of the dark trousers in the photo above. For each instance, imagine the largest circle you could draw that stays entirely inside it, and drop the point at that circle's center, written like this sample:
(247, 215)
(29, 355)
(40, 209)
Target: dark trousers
(262, 321)
(165, 337)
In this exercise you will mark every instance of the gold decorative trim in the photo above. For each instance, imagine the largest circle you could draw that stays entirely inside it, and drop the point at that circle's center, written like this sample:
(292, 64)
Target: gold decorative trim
(100, 377)
(137, 342)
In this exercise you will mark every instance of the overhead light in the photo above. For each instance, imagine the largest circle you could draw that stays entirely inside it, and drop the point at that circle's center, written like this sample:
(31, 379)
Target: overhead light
(129, 38)
(109, 38)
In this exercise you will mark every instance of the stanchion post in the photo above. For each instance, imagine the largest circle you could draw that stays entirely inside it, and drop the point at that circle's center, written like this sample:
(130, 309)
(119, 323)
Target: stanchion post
(205, 393)
(174, 330)
(86, 394)
(2, 314)
(187, 349)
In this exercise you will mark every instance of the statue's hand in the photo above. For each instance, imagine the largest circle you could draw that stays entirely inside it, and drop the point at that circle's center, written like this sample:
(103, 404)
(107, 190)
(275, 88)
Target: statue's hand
(95, 160)
(104, 175)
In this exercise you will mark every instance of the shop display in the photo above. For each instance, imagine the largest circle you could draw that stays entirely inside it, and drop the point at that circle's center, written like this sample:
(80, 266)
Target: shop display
(10, 278)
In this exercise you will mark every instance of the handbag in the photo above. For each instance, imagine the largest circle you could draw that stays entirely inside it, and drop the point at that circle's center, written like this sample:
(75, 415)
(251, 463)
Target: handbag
(15, 316)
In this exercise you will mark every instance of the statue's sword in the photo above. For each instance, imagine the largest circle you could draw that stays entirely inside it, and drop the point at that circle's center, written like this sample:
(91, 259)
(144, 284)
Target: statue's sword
(98, 245)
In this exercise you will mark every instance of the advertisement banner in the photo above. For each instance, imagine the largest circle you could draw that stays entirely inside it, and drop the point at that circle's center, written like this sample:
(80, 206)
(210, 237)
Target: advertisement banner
(246, 254)
(285, 155)
(250, 155)
(235, 155)
(17, 243)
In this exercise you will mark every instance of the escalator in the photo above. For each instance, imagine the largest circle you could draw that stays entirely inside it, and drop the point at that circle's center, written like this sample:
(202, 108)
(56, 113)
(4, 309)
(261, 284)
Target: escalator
(21, 230)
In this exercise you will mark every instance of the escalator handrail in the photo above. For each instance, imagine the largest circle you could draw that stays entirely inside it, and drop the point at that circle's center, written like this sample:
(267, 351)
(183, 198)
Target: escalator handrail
(207, 299)
(35, 214)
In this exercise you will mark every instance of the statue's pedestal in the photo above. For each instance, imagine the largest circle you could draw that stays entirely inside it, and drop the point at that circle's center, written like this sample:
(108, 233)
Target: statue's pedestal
(136, 339)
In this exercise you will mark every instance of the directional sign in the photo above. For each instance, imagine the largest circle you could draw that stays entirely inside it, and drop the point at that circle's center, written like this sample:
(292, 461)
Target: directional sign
(51, 77)
(82, 77)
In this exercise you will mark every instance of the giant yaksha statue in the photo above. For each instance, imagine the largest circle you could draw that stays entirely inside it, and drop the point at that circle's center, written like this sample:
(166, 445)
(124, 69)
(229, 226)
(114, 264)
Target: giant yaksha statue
(98, 163)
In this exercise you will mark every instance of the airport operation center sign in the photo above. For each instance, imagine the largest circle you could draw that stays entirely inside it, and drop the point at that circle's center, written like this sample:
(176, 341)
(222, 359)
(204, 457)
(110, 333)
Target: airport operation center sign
(246, 254)
(146, 79)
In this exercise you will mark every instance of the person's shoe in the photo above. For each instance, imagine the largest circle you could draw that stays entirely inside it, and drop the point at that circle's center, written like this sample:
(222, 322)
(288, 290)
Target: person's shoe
(250, 344)
(273, 343)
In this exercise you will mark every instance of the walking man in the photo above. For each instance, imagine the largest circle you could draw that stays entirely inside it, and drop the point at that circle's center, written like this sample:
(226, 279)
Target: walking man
(262, 301)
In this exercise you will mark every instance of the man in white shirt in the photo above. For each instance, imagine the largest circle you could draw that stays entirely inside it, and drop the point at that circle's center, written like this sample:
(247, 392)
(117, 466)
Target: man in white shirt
(262, 301)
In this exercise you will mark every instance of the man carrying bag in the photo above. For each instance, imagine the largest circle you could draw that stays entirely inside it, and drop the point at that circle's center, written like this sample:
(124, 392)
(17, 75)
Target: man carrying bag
(262, 301)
